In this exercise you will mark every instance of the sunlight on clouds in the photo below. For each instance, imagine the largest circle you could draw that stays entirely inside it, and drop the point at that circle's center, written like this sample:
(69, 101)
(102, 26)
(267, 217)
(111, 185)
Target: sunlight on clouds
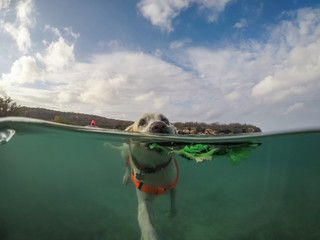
(301, 31)
(96, 91)
(19, 30)
(137, 75)
(58, 55)
(161, 13)
(24, 12)
(123, 82)
(258, 75)
(300, 69)
(23, 70)
(265, 87)
(216, 83)
(20, 34)
(229, 69)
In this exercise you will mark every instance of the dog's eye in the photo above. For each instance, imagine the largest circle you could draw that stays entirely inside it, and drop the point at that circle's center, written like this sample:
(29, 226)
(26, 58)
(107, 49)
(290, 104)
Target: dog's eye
(165, 120)
(142, 122)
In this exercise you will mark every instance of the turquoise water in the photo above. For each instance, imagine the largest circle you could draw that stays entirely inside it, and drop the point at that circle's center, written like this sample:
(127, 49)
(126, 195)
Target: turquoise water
(60, 182)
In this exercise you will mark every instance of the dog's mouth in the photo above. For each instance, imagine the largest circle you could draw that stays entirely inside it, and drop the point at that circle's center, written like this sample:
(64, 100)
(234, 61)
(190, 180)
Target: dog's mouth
(160, 127)
(155, 147)
(159, 147)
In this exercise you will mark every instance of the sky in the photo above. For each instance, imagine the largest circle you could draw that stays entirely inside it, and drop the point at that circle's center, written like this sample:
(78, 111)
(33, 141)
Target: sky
(228, 61)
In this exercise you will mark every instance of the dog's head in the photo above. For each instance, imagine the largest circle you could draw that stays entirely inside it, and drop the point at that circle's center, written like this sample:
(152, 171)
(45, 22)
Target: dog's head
(152, 123)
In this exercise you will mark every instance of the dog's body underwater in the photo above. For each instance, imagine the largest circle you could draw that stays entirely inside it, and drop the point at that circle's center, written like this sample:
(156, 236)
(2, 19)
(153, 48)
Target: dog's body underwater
(153, 172)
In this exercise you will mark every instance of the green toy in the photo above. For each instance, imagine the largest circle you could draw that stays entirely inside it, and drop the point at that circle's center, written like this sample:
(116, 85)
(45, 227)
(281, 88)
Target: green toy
(205, 152)
(197, 152)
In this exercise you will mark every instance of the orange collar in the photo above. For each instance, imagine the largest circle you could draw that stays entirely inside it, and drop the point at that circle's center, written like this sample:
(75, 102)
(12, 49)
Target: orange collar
(155, 190)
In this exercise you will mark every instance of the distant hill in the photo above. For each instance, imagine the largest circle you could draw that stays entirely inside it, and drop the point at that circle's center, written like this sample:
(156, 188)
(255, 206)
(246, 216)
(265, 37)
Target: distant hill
(72, 118)
(215, 128)
(9, 108)
(85, 119)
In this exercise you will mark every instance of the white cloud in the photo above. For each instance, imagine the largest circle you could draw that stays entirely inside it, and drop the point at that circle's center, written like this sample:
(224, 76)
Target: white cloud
(159, 103)
(114, 44)
(120, 82)
(299, 71)
(301, 31)
(161, 13)
(179, 43)
(23, 70)
(215, 7)
(227, 70)
(3, 93)
(294, 107)
(241, 24)
(55, 30)
(252, 82)
(70, 32)
(63, 98)
(158, 53)
(28, 73)
(4, 3)
(147, 97)
(24, 11)
(58, 55)
(234, 95)
(19, 30)
(259, 79)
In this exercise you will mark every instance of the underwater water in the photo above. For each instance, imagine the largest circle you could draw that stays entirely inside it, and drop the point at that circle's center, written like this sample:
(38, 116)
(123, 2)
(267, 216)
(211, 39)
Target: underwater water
(60, 182)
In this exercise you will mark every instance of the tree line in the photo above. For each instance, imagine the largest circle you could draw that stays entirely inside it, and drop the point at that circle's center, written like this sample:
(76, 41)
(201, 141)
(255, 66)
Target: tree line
(214, 128)
(10, 108)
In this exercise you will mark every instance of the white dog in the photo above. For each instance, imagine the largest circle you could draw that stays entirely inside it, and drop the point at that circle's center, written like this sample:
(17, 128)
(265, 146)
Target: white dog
(153, 172)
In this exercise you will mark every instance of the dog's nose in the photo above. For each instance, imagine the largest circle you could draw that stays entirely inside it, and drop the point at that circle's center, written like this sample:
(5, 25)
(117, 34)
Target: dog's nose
(159, 127)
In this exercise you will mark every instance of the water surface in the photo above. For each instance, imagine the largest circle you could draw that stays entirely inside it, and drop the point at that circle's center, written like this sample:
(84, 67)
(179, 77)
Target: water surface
(61, 182)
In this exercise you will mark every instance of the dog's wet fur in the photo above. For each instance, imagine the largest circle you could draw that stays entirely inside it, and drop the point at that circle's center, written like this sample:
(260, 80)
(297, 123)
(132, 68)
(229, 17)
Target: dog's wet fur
(155, 123)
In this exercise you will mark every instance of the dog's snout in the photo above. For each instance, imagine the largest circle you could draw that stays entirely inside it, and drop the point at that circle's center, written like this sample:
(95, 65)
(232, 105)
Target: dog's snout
(159, 127)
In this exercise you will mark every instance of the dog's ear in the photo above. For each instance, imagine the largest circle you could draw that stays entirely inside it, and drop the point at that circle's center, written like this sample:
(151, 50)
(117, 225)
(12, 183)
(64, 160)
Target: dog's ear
(129, 129)
(174, 129)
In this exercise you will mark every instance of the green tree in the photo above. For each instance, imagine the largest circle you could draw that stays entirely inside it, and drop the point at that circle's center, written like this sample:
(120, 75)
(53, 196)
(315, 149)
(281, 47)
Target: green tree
(8, 107)
(59, 119)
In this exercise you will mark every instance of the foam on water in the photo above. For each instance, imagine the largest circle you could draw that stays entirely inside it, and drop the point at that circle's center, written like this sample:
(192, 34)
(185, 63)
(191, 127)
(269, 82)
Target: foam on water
(61, 182)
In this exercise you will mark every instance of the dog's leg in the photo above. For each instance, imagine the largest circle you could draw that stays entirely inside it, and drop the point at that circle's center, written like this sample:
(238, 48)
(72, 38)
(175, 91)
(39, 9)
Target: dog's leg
(173, 209)
(145, 216)
(125, 153)
(127, 175)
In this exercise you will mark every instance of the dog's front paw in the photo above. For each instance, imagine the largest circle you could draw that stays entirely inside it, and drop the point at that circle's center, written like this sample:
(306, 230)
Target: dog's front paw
(126, 178)
(150, 235)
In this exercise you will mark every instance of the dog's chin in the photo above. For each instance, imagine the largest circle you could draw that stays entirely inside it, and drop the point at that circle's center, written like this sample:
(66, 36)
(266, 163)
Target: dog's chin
(167, 131)
(149, 147)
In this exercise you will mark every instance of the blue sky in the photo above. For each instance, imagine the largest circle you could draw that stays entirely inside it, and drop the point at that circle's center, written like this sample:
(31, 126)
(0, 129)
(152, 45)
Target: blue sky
(249, 61)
